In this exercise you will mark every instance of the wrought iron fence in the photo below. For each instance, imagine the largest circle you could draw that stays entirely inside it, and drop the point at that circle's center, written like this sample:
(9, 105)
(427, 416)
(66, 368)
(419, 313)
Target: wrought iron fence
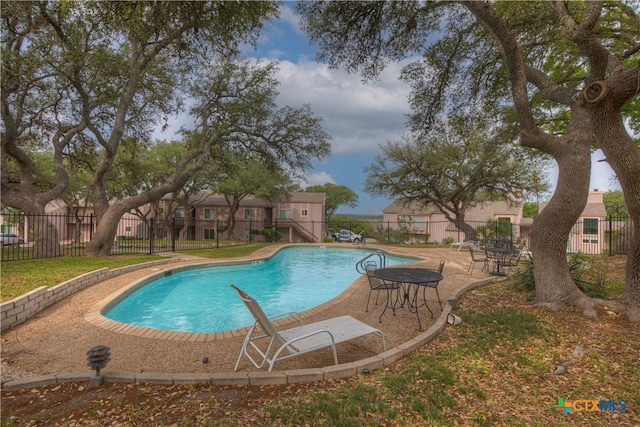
(52, 235)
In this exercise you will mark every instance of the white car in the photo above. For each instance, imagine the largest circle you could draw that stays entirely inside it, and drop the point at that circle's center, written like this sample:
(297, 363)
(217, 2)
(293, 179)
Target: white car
(349, 236)
(10, 239)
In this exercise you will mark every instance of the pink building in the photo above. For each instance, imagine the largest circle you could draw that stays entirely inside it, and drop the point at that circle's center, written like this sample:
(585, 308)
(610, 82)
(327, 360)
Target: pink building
(589, 235)
(301, 219)
(429, 220)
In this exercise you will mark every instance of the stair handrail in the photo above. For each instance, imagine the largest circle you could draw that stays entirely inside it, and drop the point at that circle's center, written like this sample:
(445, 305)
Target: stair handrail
(302, 229)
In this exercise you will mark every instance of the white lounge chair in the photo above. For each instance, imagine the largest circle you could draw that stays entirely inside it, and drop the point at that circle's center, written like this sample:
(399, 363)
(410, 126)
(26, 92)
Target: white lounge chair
(281, 345)
(460, 245)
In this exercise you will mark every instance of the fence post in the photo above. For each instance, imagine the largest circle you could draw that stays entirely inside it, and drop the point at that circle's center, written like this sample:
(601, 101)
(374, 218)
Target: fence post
(173, 234)
(388, 231)
(217, 235)
(511, 233)
(90, 226)
(250, 222)
(610, 235)
(152, 231)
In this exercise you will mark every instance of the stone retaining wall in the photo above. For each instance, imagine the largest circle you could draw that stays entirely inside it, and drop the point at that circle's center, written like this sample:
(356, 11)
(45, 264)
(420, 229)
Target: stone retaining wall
(21, 309)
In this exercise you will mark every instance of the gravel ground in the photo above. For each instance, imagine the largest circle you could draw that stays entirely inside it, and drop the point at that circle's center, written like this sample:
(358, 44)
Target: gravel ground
(57, 339)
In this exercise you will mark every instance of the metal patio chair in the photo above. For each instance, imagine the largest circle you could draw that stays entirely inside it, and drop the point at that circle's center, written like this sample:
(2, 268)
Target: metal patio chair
(379, 285)
(478, 255)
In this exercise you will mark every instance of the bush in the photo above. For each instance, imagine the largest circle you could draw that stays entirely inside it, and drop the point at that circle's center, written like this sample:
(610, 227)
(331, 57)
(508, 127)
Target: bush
(589, 272)
(270, 234)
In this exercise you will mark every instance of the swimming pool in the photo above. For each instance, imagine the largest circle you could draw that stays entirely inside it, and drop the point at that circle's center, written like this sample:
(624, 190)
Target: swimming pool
(200, 300)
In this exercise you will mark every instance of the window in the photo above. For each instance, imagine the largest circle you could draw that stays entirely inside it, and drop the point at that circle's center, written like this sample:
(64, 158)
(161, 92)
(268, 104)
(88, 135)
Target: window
(590, 226)
(127, 228)
(209, 213)
(249, 213)
(286, 214)
(209, 233)
(304, 212)
(179, 213)
(420, 223)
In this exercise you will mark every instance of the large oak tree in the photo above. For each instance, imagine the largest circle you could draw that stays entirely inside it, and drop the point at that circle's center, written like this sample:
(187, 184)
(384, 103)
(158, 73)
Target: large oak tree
(460, 163)
(571, 62)
(85, 77)
(78, 78)
(337, 195)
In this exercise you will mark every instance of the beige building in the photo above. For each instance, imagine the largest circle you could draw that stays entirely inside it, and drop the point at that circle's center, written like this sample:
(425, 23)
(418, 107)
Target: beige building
(301, 219)
(429, 220)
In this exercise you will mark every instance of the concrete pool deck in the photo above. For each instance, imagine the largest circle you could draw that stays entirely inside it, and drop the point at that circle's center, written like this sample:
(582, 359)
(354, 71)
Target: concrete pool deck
(52, 346)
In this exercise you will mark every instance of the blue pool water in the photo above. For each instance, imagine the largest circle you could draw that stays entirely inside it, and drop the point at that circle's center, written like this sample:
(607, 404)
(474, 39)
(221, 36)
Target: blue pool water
(201, 300)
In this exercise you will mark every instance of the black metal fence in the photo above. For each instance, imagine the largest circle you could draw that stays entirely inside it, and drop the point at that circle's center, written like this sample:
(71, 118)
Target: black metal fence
(611, 236)
(52, 235)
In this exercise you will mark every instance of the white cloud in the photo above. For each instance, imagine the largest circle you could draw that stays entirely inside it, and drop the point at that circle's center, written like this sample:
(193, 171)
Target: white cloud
(359, 116)
(318, 178)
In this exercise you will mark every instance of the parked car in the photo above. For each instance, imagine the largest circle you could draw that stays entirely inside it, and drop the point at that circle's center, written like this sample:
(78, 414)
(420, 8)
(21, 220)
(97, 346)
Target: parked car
(349, 236)
(10, 239)
(335, 235)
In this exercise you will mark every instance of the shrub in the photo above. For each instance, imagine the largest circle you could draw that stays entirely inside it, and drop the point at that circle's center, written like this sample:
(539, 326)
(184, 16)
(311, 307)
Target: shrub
(270, 234)
(589, 272)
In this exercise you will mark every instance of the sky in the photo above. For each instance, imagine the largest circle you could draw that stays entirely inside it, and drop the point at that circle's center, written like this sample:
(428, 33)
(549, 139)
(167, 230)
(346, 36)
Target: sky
(360, 117)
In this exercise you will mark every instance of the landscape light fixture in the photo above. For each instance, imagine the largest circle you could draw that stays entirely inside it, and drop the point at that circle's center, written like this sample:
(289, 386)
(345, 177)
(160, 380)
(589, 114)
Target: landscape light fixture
(98, 357)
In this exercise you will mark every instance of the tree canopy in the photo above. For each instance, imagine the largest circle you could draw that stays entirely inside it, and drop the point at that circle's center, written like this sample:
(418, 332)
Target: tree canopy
(614, 203)
(239, 177)
(337, 195)
(460, 163)
(79, 78)
(91, 81)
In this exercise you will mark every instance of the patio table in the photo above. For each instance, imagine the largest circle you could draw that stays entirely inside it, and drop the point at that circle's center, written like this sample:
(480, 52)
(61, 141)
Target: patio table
(499, 257)
(411, 281)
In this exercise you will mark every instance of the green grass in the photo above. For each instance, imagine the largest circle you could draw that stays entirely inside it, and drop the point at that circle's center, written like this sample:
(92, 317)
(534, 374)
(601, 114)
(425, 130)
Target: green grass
(428, 385)
(228, 251)
(22, 276)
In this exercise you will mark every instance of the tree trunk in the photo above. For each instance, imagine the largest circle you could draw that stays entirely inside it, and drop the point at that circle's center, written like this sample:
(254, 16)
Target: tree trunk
(46, 240)
(102, 241)
(624, 157)
(468, 230)
(555, 287)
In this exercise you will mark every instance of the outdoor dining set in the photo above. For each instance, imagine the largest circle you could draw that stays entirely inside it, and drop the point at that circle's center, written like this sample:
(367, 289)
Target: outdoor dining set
(405, 287)
(496, 256)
